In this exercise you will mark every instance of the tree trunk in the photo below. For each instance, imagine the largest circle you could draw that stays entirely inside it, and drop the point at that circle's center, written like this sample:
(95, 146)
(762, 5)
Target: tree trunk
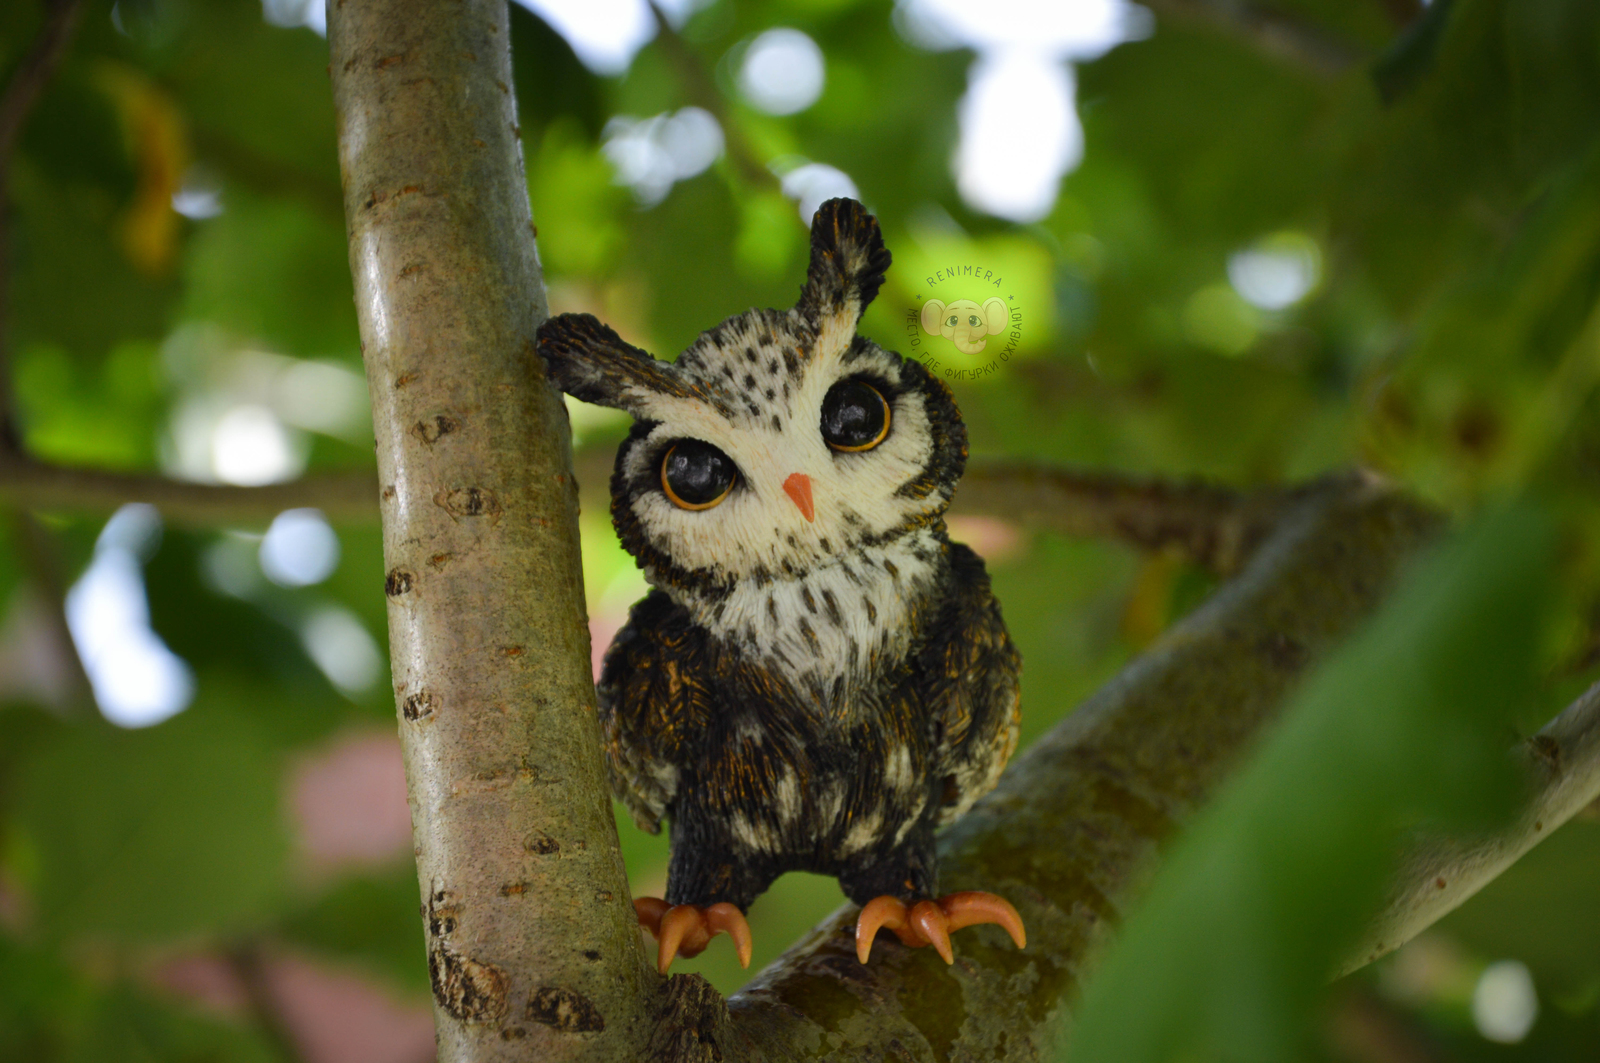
(533, 949)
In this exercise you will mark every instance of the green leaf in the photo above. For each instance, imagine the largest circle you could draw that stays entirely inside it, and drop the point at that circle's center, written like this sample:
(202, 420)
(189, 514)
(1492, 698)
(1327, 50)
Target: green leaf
(146, 835)
(372, 921)
(1404, 727)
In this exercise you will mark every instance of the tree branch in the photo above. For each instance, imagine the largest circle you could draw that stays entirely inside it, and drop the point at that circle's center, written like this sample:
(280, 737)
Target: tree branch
(21, 92)
(533, 946)
(31, 539)
(1214, 526)
(38, 485)
(702, 92)
(1278, 34)
(1562, 766)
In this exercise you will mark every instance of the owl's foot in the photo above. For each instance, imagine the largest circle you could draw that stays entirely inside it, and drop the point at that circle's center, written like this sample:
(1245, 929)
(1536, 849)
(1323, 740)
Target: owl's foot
(930, 922)
(686, 929)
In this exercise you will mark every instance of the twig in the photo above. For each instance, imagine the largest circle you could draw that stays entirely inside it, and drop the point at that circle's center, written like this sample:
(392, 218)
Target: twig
(34, 72)
(30, 538)
(36, 547)
(1214, 526)
(249, 963)
(703, 92)
(37, 485)
(1562, 765)
(1272, 31)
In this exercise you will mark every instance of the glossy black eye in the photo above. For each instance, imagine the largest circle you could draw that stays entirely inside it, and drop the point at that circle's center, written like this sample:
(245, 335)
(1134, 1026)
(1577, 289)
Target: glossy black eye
(696, 475)
(855, 416)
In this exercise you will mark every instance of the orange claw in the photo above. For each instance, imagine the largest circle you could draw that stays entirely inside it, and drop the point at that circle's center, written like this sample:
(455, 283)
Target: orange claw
(686, 929)
(650, 910)
(888, 913)
(727, 919)
(930, 922)
(934, 925)
(971, 907)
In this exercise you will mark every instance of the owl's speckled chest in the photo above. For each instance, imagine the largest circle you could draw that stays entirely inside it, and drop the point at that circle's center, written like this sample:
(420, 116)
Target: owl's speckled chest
(838, 630)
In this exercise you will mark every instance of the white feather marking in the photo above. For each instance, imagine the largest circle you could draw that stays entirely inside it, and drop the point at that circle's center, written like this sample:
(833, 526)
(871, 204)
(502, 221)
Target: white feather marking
(862, 834)
(830, 803)
(786, 796)
(756, 836)
(897, 773)
(824, 626)
(910, 820)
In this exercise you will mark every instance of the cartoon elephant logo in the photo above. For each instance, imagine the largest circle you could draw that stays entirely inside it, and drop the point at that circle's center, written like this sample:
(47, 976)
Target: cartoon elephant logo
(965, 323)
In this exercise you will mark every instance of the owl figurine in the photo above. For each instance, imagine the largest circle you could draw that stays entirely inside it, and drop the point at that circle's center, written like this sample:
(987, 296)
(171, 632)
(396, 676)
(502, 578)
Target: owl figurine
(820, 679)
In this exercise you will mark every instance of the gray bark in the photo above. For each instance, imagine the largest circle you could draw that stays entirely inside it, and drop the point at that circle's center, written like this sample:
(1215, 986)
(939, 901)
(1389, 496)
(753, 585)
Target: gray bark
(532, 943)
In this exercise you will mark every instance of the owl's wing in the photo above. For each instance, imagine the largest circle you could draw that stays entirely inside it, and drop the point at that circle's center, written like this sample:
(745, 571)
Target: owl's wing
(970, 675)
(654, 698)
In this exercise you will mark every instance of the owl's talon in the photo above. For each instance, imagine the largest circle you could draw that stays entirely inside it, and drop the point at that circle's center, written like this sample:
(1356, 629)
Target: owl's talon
(972, 907)
(726, 918)
(650, 910)
(934, 926)
(930, 922)
(686, 929)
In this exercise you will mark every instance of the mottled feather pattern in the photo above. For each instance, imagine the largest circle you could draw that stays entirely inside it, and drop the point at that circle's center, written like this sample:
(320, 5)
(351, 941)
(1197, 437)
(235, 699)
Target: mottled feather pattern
(802, 691)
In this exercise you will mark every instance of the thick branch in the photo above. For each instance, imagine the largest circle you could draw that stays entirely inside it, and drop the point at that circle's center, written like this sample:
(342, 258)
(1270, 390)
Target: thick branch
(1073, 830)
(532, 943)
(1562, 764)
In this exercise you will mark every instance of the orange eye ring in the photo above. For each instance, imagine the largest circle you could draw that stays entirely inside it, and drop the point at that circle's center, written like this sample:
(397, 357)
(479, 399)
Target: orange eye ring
(678, 500)
(883, 432)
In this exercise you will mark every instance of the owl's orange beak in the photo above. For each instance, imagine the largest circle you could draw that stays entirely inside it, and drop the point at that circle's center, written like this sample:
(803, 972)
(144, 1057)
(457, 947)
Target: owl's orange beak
(798, 487)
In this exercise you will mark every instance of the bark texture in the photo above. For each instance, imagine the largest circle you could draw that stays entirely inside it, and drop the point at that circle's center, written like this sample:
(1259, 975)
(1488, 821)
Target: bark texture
(532, 945)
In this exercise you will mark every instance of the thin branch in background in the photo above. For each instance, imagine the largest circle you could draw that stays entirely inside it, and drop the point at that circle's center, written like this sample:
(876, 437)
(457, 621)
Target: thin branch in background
(249, 963)
(1214, 526)
(40, 558)
(1403, 12)
(37, 485)
(1217, 527)
(702, 91)
(1276, 33)
(21, 93)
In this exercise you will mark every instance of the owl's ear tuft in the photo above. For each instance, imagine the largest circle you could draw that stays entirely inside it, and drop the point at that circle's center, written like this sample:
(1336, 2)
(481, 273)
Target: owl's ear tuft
(590, 362)
(848, 260)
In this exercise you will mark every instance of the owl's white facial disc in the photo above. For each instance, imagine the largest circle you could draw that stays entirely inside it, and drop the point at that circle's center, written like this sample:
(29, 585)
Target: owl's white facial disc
(765, 375)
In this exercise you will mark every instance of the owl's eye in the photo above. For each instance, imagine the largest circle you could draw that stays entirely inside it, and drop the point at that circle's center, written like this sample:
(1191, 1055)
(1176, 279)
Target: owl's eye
(855, 416)
(696, 475)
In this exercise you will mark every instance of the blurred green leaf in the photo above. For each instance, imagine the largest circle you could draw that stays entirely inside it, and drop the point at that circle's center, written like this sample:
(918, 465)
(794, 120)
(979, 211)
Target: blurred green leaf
(1403, 728)
(373, 921)
(147, 835)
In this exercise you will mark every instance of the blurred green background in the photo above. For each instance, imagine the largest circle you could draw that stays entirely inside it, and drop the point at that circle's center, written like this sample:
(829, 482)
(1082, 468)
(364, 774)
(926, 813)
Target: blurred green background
(1250, 243)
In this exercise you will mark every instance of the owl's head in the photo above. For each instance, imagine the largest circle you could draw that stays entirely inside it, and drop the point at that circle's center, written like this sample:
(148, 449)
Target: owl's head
(780, 439)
